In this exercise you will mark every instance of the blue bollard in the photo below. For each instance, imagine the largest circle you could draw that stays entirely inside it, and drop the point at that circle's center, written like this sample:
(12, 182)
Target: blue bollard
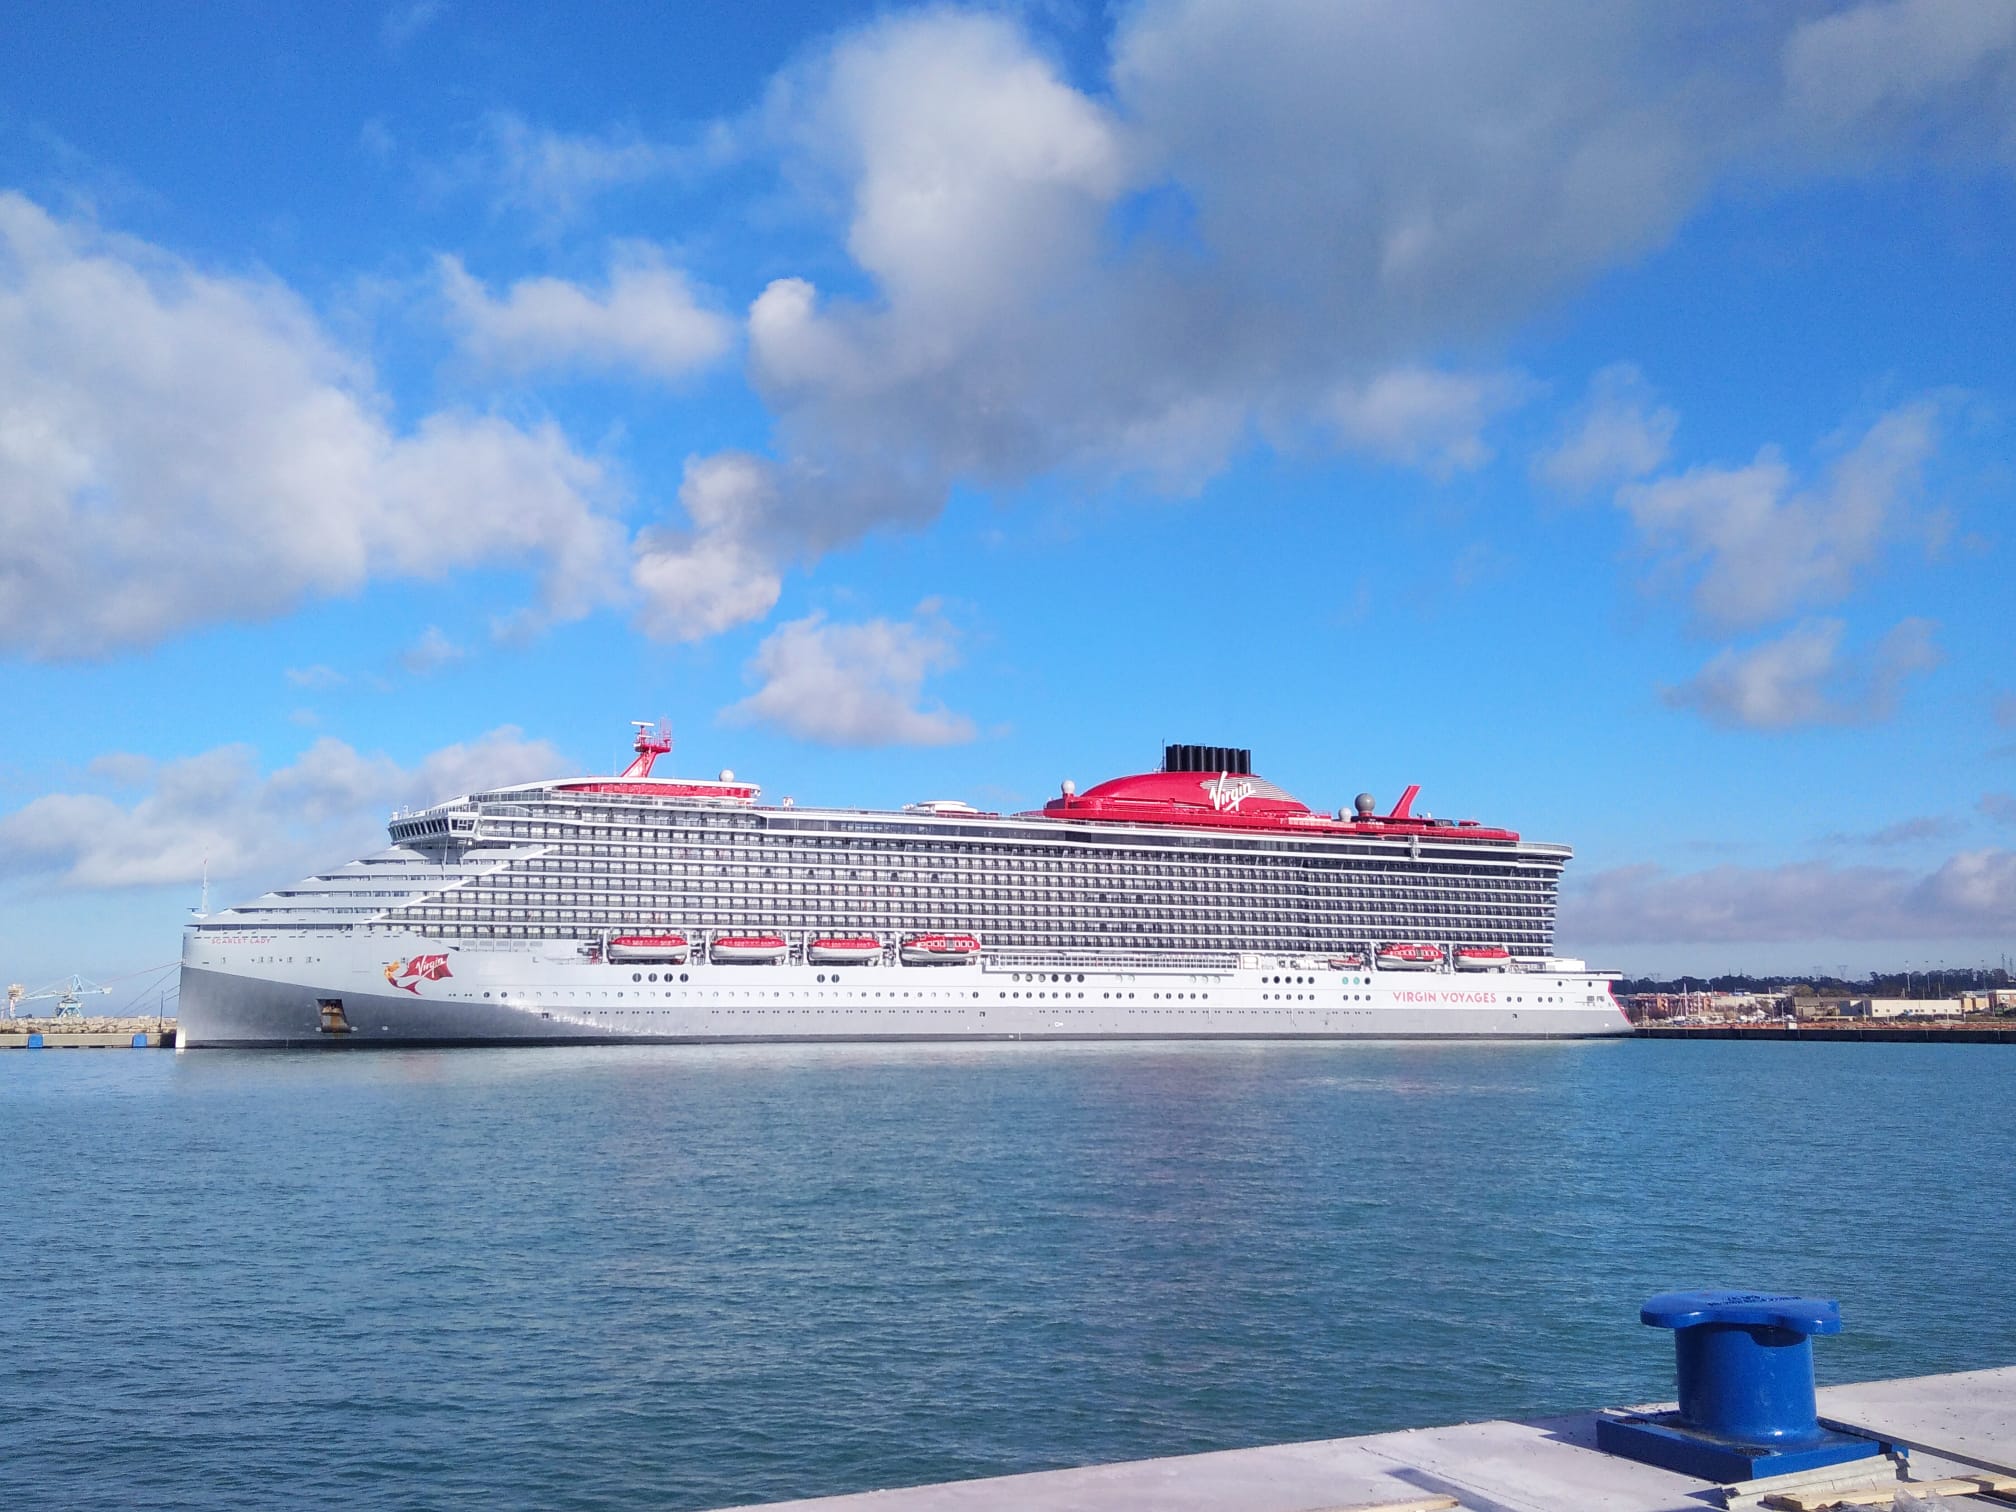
(1744, 1362)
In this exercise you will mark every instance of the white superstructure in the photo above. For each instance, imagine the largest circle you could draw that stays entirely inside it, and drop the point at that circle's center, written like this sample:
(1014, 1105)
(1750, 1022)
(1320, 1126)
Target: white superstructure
(1198, 901)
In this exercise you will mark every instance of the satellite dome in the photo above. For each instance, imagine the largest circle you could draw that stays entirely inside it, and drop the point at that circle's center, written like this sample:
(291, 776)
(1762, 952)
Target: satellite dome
(1367, 805)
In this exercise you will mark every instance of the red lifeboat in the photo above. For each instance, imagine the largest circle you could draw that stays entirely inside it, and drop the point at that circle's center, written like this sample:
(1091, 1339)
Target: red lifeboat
(843, 950)
(746, 949)
(1483, 958)
(1408, 955)
(940, 949)
(648, 947)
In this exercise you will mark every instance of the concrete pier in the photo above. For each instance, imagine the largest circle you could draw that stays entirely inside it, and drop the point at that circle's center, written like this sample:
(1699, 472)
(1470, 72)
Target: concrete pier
(87, 1034)
(1954, 1438)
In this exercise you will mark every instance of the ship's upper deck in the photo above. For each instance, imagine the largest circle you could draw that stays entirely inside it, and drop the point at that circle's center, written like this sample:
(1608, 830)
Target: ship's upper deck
(1200, 787)
(1235, 801)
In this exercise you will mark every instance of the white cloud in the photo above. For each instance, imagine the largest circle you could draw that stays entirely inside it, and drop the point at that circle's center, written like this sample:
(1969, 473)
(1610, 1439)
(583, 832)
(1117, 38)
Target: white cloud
(1620, 433)
(218, 809)
(724, 571)
(1863, 74)
(1970, 895)
(647, 321)
(317, 676)
(853, 685)
(430, 652)
(1804, 678)
(178, 448)
(1425, 418)
(553, 176)
(1263, 219)
(1758, 546)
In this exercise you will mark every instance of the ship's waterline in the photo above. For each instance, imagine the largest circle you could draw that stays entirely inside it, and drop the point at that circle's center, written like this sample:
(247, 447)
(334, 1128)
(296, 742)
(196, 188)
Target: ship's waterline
(1163, 906)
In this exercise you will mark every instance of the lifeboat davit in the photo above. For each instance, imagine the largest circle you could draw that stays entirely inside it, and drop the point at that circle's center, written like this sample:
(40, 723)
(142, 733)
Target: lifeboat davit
(648, 947)
(1404, 955)
(843, 950)
(1483, 958)
(746, 949)
(940, 949)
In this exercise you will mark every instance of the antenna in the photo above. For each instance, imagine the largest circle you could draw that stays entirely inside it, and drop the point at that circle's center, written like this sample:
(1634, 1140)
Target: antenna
(653, 741)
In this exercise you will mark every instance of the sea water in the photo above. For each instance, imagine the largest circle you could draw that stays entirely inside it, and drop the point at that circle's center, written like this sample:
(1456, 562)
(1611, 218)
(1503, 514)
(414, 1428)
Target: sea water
(683, 1277)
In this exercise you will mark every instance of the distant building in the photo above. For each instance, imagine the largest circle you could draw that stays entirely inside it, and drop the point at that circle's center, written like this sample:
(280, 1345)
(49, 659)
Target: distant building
(1988, 1000)
(1884, 1008)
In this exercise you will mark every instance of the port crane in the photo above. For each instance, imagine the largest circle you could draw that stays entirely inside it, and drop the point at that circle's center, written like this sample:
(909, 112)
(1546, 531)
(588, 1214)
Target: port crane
(68, 994)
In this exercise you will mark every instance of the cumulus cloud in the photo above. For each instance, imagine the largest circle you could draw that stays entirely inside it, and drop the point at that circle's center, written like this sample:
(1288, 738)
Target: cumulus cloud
(430, 652)
(1263, 220)
(1805, 677)
(1757, 546)
(724, 570)
(178, 447)
(1970, 895)
(1282, 221)
(219, 810)
(1426, 418)
(647, 321)
(1620, 433)
(854, 685)
(1860, 76)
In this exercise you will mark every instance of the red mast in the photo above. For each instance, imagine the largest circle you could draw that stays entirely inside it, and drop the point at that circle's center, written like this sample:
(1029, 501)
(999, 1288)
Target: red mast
(653, 741)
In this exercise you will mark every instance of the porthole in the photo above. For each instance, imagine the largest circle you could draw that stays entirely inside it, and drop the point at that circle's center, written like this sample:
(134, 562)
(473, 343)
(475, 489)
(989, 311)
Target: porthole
(636, 976)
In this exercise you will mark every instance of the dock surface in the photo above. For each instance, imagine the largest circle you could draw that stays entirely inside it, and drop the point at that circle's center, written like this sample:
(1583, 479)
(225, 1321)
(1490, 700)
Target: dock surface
(93, 1033)
(1961, 1430)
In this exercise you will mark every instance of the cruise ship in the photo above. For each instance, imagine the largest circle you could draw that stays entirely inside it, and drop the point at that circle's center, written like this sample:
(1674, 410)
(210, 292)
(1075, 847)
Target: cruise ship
(1198, 901)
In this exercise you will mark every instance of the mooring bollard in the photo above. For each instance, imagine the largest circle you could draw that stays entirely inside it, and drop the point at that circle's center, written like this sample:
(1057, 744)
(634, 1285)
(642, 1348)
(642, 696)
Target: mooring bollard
(1744, 1362)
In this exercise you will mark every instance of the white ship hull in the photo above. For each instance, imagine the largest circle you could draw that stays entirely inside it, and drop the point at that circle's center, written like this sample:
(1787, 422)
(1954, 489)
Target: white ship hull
(1198, 902)
(282, 990)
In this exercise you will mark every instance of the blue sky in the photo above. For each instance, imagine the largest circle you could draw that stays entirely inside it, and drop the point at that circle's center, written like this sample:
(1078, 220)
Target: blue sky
(1599, 414)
